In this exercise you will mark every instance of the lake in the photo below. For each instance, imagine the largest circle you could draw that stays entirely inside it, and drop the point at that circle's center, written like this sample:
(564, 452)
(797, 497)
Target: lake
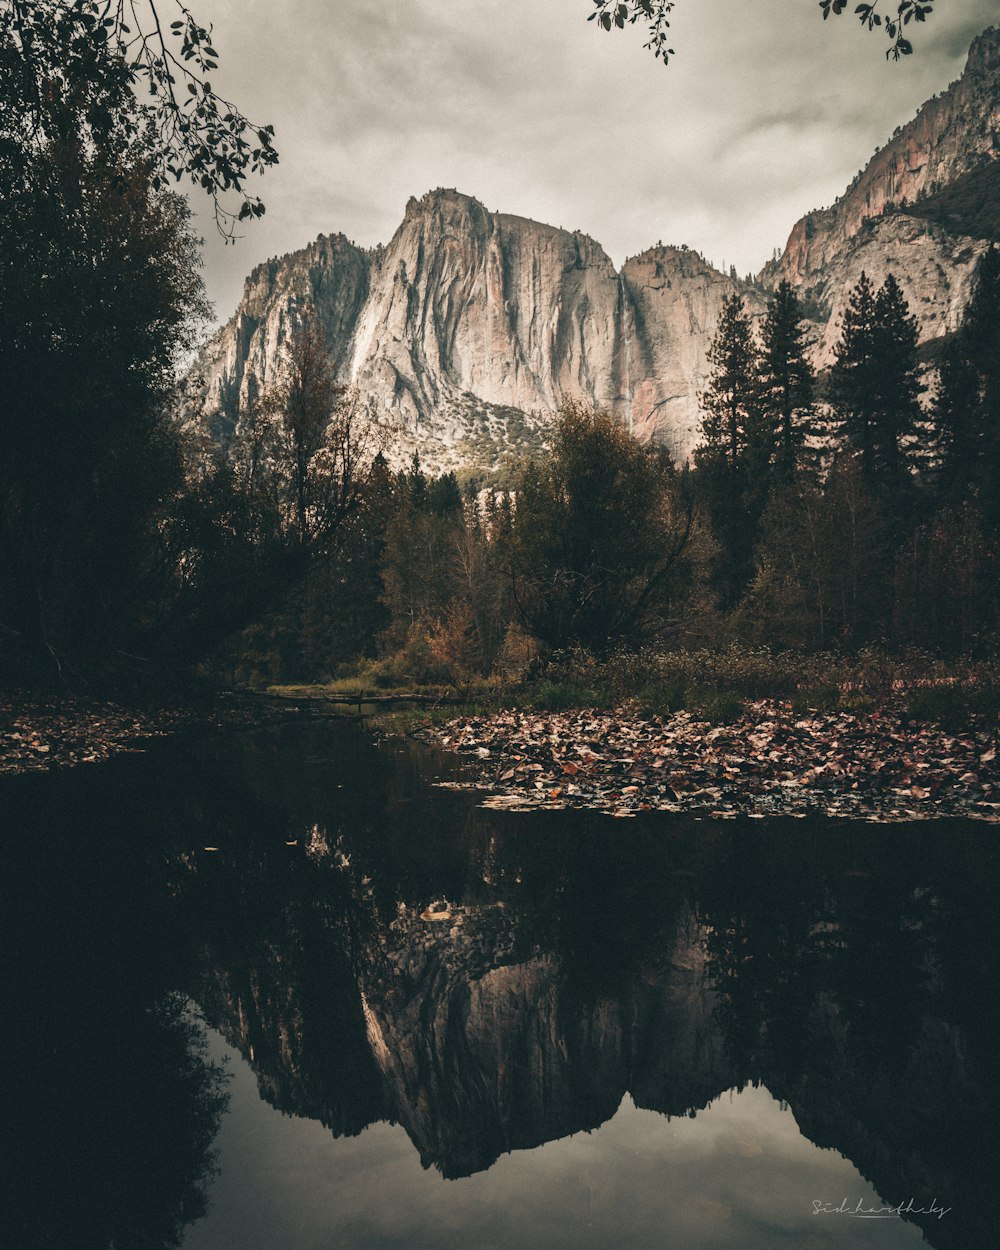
(276, 990)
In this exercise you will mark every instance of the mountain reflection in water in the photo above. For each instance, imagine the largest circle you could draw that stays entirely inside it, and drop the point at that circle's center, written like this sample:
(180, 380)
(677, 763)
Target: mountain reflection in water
(378, 950)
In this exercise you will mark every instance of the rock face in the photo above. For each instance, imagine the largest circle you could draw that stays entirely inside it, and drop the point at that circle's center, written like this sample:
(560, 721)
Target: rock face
(952, 137)
(471, 327)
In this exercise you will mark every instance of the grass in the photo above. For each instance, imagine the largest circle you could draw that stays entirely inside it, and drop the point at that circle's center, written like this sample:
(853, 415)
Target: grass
(711, 685)
(406, 720)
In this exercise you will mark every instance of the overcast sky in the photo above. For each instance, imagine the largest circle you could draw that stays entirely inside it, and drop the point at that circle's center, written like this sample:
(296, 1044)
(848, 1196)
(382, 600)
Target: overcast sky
(765, 112)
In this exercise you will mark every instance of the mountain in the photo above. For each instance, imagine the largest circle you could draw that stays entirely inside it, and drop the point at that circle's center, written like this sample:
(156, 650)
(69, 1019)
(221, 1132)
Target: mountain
(470, 327)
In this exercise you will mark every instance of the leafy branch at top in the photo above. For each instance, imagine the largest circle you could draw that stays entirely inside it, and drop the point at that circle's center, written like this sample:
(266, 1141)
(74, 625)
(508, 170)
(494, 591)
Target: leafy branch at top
(906, 11)
(614, 13)
(617, 14)
(122, 68)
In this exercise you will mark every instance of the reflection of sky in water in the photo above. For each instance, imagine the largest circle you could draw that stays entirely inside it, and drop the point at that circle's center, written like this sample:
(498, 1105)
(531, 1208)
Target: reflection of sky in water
(739, 1176)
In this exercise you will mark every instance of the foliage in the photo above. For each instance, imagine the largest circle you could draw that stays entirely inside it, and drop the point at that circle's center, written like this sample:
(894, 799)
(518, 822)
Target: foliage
(892, 23)
(968, 206)
(732, 424)
(598, 535)
(272, 508)
(787, 383)
(555, 696)
(116, 72)
(99, 296)
(821, 565)
(945, 586)
(617, 14)
(756, 416)
(874, 382)
(966, 412)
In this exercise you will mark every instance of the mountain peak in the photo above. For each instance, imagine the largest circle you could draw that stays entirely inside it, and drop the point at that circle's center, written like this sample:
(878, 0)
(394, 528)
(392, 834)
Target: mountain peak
(470, 325)
(441, 198)
(984, 54)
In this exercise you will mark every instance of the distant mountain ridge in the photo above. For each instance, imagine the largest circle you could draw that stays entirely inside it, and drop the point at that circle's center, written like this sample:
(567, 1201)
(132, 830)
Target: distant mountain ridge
(470, 327)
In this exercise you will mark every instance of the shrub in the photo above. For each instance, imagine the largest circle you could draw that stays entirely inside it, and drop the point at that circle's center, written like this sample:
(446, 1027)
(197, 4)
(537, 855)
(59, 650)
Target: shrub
(661, 699)
(942, 705)
(721, 707)
(824, 698)
(559, 696)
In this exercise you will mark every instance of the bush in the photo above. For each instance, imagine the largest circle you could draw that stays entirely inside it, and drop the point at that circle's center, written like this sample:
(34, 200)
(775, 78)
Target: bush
(661, 700)
(414, 664)
(948, 706)
(721, 707)
(560, 696)
(824, 698)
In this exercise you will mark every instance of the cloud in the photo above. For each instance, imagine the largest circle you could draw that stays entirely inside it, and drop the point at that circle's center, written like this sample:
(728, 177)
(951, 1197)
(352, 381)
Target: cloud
(764, 113)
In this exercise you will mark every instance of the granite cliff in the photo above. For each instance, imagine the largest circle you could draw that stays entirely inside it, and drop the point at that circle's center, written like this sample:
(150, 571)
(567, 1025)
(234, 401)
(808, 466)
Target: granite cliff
(470, 327)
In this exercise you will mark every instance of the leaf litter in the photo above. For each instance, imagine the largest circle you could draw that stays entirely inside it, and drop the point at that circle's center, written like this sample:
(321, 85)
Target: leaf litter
(878, 765)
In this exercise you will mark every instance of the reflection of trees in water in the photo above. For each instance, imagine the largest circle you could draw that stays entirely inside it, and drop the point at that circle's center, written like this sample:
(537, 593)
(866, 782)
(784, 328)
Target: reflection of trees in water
(118, 1151)
(109, 1143)
(852, 981)
(581, 960)
(110, 1105)
(813, 951)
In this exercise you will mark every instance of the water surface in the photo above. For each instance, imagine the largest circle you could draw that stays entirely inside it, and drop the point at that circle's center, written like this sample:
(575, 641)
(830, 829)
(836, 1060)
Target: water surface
(274, 989)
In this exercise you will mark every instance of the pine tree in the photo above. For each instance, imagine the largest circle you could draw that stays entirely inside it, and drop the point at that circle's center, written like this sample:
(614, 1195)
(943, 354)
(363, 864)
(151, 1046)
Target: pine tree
(731, 404)
(787, 382)
(854, 376)
(874, 384)
(734, 457)
(967, 410)
(899, 416)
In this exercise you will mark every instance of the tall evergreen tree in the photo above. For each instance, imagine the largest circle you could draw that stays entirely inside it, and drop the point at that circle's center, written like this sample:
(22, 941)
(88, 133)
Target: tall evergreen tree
(874, 384)
(731, 421)
(967, 409)
(787, 382)
(854, 383)
(899, 416)
(735, 453)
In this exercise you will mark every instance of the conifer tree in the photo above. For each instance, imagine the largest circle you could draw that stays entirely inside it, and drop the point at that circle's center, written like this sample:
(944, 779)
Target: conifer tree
(874, 385)
(900, 416)
(735, 453)
(787, 382)
(731, 421)
(854, 377)
(967, 408)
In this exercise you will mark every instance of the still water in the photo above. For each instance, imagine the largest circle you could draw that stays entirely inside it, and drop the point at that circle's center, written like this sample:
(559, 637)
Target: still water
(276, 991)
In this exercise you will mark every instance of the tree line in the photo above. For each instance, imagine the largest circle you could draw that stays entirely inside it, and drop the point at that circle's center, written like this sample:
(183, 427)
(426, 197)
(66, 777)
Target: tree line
(830, 512)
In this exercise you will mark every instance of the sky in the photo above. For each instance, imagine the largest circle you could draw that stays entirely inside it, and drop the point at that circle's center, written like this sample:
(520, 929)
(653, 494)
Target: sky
(764, 113)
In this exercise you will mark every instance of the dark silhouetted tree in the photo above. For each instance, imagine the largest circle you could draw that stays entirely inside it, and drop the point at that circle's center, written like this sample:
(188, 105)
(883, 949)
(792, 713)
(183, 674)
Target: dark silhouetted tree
(734, 457)
(599, 530)
(966, 412)
(787, 383)
(100, 294)
(874, 382)
(732, 427)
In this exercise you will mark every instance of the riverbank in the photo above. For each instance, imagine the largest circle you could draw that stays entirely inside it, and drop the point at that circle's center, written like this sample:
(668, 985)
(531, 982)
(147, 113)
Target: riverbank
(38, 734)
(770, 760)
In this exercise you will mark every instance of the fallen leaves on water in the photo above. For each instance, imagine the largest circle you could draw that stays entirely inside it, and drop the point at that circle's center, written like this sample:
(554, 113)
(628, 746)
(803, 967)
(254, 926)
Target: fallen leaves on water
(39, 735)
(876, 765)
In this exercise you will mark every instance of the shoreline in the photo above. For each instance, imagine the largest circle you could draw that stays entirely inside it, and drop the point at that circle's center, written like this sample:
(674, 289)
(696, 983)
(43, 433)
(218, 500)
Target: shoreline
(45, 734)
(875, 765)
